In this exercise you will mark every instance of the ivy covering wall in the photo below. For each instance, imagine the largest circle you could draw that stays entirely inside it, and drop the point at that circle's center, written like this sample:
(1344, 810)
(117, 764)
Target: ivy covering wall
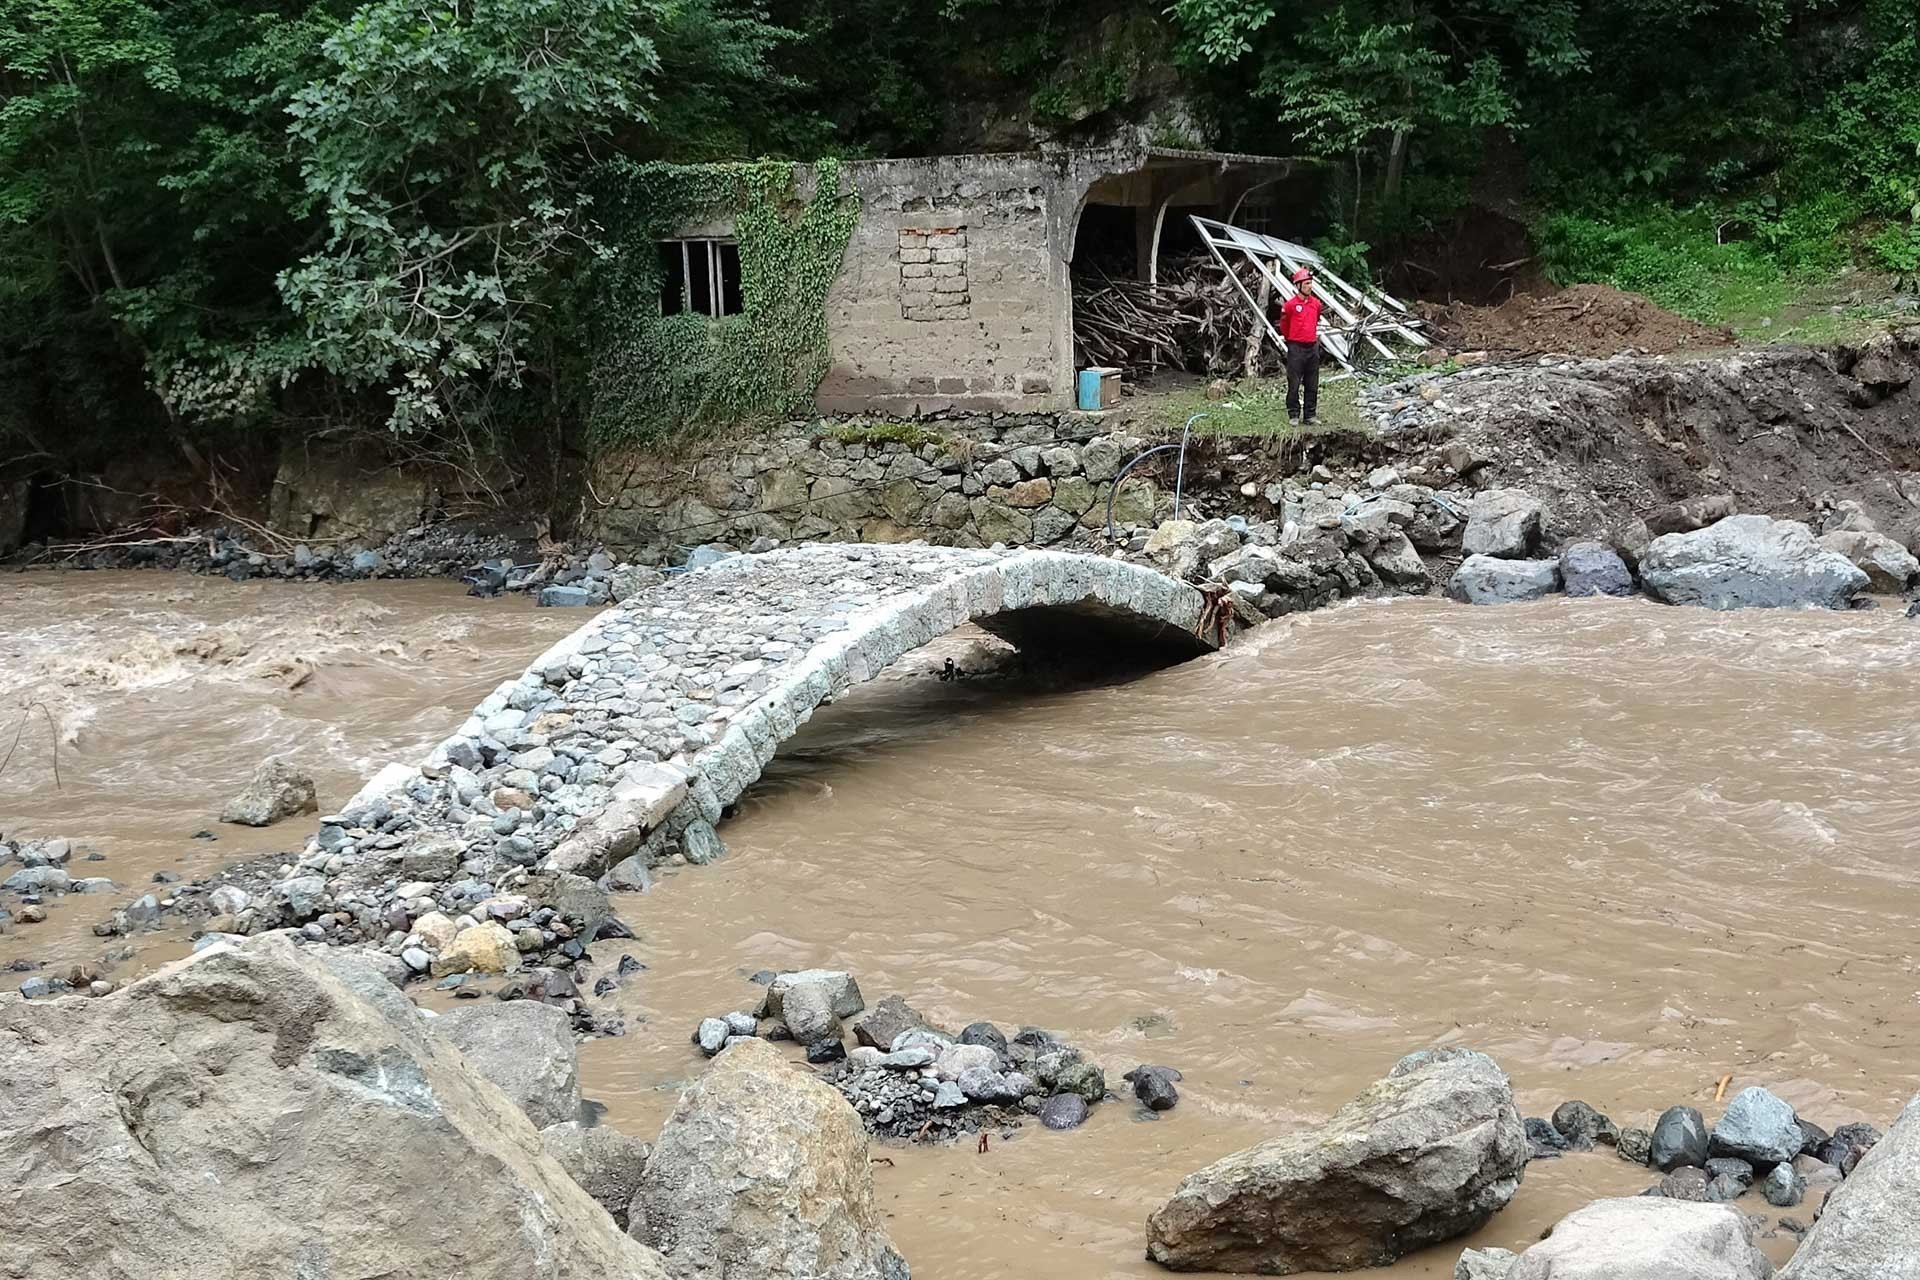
(655, 375)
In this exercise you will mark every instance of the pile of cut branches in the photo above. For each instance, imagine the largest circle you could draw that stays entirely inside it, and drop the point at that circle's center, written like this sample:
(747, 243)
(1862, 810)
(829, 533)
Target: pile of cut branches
(1192, 320)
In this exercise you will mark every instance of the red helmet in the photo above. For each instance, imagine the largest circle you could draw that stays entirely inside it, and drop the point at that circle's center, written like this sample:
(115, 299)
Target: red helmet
(1301, 275)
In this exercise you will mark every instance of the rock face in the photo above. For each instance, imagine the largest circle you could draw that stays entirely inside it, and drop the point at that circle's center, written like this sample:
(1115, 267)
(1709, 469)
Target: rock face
(1594, 569)
(1759, 1128)
(1502, 522)
(605, 1162)
(526, 1049)
(277, 790)
(1869, 1228)
(1749, 562)
(1428, 1153)
(1483, 579)
(762, 1171)
(1888, 565)
(251, 1114)
(1643, 1238)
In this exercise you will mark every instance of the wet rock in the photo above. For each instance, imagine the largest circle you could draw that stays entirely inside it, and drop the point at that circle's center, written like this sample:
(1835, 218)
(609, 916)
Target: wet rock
(1594, 569)
(948, 1095)
(605, 1162)
(366, 1106)
(1688, 1182)
(1154, 1086)
(1582, 1126)
(1503, 523)
(1784, 1187)
(1679, 1138)
(763, 1171)
(1691, 514)
(1749, 562)
(526, 1049)
(988, 1035)
(1428, 1153)
(277, 790)
(1063, 1111)
(41, 880)
(1065, 1071)
(1730, 1167)
(1888, 565)
(843, 993)
(824, 1051)
(1849, 1143)
(887, 1020)
(1492, 580)
(1757, 1127)
(807, 1009)
(711, 1035)
(1396, 560)
(564, 597)
(985, 1085)
(952, 1062)
(1811, 1136)
(1484, 1264)
(1638, 1238)
(1724, 1188)
(1544, 1142)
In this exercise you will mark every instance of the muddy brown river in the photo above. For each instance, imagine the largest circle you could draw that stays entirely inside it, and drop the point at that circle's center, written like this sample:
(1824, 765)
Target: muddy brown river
(1626, 849)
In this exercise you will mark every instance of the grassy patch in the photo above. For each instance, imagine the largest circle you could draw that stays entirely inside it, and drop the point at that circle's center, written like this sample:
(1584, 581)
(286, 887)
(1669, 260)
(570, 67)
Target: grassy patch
(1257, 407)
(910, 434)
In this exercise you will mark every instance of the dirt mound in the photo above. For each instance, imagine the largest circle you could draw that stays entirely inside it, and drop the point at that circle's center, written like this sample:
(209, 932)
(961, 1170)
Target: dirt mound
(1587, 320)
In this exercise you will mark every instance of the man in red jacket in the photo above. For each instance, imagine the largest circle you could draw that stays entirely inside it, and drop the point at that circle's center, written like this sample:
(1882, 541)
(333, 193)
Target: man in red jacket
(1300, 325)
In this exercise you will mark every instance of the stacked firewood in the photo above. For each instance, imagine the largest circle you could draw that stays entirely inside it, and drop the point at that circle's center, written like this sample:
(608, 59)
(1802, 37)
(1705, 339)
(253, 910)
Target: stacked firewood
(1193, 319)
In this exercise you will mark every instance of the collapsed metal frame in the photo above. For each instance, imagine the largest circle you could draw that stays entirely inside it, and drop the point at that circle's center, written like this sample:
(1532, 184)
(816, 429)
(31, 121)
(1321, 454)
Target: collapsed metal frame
(1366, 314)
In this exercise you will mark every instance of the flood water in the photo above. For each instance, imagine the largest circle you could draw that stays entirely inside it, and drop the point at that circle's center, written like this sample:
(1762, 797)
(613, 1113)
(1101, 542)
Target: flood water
(1626, 849)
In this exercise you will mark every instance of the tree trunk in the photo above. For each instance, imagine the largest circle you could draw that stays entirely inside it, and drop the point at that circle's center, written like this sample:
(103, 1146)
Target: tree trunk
(1396, 166)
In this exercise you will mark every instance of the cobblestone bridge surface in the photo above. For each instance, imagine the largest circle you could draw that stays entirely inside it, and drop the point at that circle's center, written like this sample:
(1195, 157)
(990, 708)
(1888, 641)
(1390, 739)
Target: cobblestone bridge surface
(624, 743)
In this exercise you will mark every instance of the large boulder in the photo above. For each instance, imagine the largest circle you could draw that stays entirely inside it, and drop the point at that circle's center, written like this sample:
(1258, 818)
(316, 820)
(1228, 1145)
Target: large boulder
(1869, 1227)
(1888, 565)
(1493, 580)
(762, 1170)
(253, 1113)
(1758, 1127)
(1502, 522)
(526, 1049)
(277, 790)
(1594, 569)
(1427, 1154)
(843, 993)
(1749, 562)
(1646, 1238)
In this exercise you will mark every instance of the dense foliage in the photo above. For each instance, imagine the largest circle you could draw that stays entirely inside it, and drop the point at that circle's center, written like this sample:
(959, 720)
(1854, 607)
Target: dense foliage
(223, 218)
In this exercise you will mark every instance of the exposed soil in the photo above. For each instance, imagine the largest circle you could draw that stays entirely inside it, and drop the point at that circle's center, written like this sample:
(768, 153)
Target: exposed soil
(1482, 258)
(1585, 320)
(1788, 431)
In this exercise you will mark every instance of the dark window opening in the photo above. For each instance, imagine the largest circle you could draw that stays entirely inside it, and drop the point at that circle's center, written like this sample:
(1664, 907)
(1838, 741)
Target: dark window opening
(701, 276)
(673, 278)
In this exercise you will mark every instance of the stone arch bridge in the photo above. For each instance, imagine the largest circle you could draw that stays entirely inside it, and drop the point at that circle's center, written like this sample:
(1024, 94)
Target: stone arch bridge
(634, 733)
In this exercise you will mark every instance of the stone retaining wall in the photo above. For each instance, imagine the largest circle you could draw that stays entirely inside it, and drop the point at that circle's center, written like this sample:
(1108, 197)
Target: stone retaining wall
(1036, 480)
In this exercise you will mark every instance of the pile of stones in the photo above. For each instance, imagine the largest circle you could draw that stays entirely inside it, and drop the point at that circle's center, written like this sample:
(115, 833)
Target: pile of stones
(1758, 1142)
(34, 872)
(911, 1080)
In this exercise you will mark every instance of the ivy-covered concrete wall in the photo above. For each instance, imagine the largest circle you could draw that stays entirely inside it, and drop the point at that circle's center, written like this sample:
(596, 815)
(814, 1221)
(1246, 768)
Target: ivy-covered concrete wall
(1034, 480)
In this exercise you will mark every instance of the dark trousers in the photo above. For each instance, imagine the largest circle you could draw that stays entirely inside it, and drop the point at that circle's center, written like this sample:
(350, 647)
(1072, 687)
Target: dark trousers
(1303, 371)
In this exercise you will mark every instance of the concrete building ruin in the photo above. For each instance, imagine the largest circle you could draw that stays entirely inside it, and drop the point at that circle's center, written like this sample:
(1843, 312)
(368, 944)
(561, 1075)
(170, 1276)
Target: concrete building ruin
(955, 290)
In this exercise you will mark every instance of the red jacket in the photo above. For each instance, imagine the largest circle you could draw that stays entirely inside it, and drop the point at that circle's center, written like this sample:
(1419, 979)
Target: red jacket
(1300, 319)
